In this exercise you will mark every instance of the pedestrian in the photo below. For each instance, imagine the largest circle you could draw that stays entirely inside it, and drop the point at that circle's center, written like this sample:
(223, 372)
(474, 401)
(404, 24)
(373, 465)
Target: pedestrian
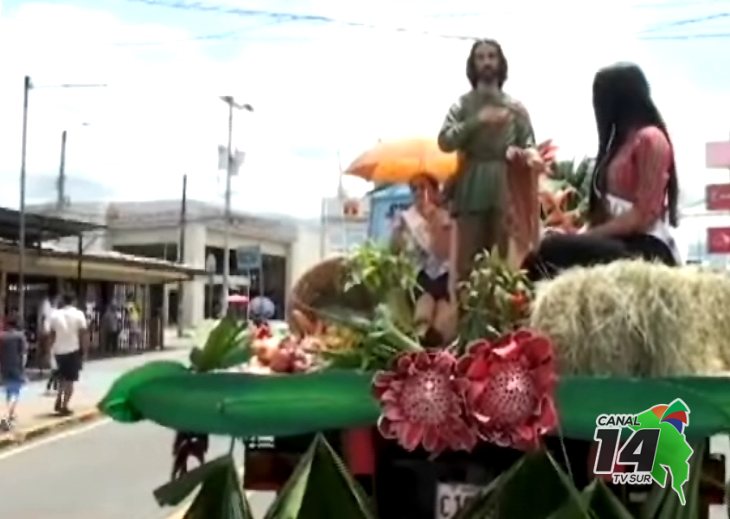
(13, 352)
(44, 314)
(110, 329)
(52, 384)
(68, 330)
(135, 330)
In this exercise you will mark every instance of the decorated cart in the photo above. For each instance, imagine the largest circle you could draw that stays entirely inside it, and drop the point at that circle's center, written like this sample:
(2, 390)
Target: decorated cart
(602, 393)
(500, 424)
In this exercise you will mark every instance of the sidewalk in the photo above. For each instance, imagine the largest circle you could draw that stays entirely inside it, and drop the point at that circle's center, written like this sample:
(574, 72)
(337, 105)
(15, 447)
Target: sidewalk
(35, 409)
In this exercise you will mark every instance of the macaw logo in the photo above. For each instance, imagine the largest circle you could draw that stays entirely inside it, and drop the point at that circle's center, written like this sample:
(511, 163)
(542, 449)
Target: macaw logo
(655, 449)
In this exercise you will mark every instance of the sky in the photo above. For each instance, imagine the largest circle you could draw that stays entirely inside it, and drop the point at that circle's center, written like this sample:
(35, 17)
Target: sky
(325, 85)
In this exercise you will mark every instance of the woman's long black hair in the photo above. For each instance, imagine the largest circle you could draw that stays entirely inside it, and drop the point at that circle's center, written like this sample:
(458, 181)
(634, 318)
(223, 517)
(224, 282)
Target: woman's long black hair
(622, 103)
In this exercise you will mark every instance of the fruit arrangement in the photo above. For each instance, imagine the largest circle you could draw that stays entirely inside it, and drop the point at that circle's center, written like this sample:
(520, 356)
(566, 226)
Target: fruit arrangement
(327, 337)
(286, 354)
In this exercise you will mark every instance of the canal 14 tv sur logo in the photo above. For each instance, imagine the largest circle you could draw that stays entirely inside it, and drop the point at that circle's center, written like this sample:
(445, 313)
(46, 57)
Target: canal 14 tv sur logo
(646, 447)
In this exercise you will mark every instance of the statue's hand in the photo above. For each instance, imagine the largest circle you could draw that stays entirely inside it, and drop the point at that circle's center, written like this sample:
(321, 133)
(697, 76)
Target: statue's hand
(529, 157)
(495, 115)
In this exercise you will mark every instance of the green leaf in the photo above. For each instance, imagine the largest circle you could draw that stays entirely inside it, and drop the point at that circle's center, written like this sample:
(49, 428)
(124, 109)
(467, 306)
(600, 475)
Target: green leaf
(222, 341)
(236, 357)
(117, 402)
(321, 487)
(221, 493)
(538, 476)
(599, 501)
(242, 404)
(663, 502)
(345, 317)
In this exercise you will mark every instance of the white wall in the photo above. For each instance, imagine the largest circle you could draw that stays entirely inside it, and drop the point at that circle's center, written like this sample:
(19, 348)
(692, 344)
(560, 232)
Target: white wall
(306, 251)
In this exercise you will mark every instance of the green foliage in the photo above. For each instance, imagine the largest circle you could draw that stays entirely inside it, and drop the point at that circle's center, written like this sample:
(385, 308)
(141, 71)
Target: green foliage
(566, 173)
(227, 345)
(379, 269)
(389, 278)
(494, 300)
(382, 339)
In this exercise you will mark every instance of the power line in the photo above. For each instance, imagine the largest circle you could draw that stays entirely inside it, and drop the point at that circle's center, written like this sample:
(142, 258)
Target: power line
(679, 4)
(286, 16)
(687, 21)
(211, 37)
(678, 37)
(282, 17)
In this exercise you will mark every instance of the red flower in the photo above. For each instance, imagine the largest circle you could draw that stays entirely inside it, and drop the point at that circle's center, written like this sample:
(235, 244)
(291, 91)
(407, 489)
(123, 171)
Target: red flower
(520, 301)
(423, 403)
(263, 332)
(511, 384)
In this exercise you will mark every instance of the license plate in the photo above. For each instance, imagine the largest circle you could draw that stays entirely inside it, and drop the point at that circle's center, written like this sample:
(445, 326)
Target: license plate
(452, 497)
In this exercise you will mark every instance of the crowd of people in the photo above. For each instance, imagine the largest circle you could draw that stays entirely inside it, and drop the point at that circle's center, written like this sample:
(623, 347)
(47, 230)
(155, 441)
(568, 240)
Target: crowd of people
(492, 201)
(65, 330)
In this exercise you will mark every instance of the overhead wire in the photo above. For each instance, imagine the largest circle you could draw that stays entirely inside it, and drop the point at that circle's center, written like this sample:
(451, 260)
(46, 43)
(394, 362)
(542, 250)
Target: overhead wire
(278, 17)
(288, 16)
(679, 4)
(686, 21)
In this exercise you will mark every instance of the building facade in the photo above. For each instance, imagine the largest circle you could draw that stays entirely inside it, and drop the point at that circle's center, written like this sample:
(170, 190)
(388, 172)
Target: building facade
(153, 230)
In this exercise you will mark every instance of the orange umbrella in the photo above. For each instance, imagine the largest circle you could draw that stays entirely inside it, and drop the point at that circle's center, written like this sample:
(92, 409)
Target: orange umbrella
(400, 161)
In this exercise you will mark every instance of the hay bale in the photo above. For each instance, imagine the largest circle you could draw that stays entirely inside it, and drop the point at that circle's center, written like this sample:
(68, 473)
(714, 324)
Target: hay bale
(635, 318)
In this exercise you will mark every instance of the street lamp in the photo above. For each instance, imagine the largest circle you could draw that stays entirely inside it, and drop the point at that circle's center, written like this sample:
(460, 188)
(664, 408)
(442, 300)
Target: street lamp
(27, 86)
(227, 213)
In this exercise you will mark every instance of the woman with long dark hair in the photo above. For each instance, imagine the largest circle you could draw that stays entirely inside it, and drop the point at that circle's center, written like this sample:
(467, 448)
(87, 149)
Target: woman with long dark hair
(634, 192)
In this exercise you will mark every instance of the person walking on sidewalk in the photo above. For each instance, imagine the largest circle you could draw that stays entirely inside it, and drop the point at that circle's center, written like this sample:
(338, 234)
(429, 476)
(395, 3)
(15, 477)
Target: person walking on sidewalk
(68, 330)
(13, 351)
(44, 314)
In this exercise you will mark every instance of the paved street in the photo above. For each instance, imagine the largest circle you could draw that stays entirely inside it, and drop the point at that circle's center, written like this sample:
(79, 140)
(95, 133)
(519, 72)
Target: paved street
(102, 471)
(99, 471)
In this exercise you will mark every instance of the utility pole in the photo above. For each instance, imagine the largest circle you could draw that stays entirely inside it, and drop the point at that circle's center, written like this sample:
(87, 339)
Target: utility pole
(61, 202)
(27, 86)
(181, 253)
(21, 231)
(227, 216)
(230, 171)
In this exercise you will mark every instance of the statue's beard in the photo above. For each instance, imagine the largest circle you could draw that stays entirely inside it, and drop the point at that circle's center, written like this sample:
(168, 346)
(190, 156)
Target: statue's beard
(488, 74)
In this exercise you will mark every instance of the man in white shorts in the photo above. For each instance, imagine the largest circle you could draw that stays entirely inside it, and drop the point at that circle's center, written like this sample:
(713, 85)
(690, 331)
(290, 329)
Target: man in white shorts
(67, 325)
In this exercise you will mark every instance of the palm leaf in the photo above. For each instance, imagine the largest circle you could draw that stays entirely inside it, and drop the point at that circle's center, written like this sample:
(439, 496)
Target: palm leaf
(222, 341)
(538, 476)
(320, 487)
(663, 502)
(221, 492)
(600, 502)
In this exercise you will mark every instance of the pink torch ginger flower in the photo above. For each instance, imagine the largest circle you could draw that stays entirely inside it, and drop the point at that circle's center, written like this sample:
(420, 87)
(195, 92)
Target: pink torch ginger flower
(423, 403)
(511, 385)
